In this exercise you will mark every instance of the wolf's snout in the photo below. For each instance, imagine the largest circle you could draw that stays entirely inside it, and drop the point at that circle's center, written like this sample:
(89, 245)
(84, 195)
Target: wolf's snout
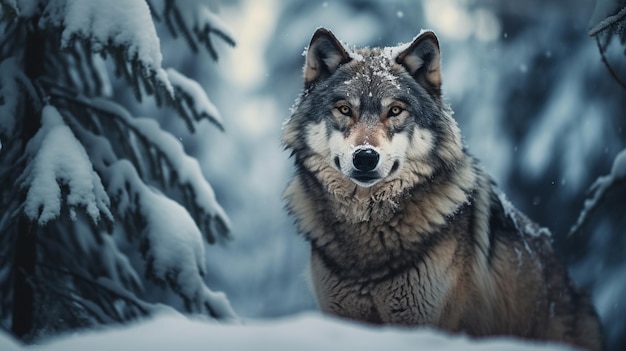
(365, 160)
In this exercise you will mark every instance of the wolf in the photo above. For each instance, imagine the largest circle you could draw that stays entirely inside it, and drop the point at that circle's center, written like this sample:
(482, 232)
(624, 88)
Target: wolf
(404, 225)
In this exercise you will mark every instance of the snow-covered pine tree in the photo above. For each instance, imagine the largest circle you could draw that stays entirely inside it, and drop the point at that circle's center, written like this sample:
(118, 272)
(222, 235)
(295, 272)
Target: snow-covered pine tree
(93, 200)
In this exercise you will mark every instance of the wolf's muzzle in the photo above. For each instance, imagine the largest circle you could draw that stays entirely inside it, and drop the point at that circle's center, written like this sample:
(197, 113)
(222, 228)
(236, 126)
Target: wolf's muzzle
(365, 160)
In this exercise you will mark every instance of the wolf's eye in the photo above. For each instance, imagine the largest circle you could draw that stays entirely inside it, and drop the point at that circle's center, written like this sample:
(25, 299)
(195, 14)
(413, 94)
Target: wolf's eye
(394, 111)
(345, 110)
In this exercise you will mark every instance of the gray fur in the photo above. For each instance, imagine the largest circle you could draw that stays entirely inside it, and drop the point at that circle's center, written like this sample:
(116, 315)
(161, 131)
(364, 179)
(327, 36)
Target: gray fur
(432, 241)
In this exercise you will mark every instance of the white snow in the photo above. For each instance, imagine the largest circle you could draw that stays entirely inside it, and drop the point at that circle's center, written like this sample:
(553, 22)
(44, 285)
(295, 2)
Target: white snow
(7, 343)
(201, 103)
(618, 170)
(59, 159)
(126, 23)
(391, 52)
(309, 331)
(513, 213)
(600, 187)
(175, 249)
(206, 18)
(123, 23)
(187, 168)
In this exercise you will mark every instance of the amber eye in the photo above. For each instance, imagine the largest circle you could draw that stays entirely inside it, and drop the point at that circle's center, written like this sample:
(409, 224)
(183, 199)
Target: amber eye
(345, 110)
(394, 111)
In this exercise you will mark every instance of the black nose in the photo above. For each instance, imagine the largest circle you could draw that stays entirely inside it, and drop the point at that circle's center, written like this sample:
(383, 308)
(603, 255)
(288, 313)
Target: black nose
(365, 160)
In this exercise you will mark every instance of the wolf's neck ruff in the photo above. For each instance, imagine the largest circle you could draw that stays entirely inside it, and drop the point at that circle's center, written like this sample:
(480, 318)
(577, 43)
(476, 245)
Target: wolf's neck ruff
(378, 226)
(405, 228)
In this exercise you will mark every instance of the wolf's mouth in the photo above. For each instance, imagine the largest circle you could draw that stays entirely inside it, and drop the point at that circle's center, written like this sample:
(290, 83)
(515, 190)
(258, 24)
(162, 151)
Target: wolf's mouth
(365, 177)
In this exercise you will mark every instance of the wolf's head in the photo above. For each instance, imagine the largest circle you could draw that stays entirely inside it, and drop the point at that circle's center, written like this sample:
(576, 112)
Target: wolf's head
(373, 115)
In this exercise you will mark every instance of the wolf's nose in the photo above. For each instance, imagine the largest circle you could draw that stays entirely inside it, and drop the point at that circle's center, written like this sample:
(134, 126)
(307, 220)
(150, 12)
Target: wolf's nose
(365, 160)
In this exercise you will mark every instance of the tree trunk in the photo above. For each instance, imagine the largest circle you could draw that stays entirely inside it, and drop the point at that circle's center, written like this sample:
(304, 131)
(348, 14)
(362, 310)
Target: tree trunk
(23, 294)
(26, 237)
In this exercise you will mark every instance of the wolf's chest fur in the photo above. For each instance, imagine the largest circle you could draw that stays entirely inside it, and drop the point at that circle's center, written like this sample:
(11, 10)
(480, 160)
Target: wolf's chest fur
(405, 228)
(373, 233)
(398, 267)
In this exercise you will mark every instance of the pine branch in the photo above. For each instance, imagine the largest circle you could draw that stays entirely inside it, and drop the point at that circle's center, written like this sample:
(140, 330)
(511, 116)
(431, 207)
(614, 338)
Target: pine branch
(136, 59)
(195, 22)
(70, 300)
(129, 38)
(68, 244)
(52, 171)
(9, 40)
(72, 250)
(609, 22)
(98, 288)
(8, 11)
(193, 103)
(214, 225)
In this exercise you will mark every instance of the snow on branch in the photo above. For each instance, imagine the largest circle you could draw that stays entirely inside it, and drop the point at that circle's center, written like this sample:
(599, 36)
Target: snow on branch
(194, 20)
(194, 103)
(600, 188)
(171, 243)
(186, 174)
(60, 170)
(80, 172)
(88, 74)
(157, 156)
(119, 28)
(124, 31)
(607, 15)
(169, 239)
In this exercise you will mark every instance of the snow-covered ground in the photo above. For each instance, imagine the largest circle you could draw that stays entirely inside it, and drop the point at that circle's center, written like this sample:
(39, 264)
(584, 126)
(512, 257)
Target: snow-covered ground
(302, 332)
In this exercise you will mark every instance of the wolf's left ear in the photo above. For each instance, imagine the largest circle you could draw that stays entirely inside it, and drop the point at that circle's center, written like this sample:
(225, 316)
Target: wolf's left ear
(324, 55)
(422, 59)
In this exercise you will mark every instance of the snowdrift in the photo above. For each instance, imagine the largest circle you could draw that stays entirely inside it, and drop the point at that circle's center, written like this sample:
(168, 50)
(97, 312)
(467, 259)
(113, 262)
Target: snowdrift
(302, 332)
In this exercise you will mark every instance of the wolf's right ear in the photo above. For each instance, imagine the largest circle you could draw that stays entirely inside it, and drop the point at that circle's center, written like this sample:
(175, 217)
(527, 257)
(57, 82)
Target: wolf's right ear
(324, 55)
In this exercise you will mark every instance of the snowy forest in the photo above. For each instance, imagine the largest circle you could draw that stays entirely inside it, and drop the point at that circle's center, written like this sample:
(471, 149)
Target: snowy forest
(141, 169)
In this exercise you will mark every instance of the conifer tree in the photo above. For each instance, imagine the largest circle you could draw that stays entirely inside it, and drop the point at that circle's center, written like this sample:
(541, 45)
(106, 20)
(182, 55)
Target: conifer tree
(95, 203)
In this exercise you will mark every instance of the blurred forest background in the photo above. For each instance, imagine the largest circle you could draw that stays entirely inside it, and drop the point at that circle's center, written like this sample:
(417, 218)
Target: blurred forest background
(531, 93)
(533, 98)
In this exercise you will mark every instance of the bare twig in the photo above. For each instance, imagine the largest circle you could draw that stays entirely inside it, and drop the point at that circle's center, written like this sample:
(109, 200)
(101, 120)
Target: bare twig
(608, 66)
